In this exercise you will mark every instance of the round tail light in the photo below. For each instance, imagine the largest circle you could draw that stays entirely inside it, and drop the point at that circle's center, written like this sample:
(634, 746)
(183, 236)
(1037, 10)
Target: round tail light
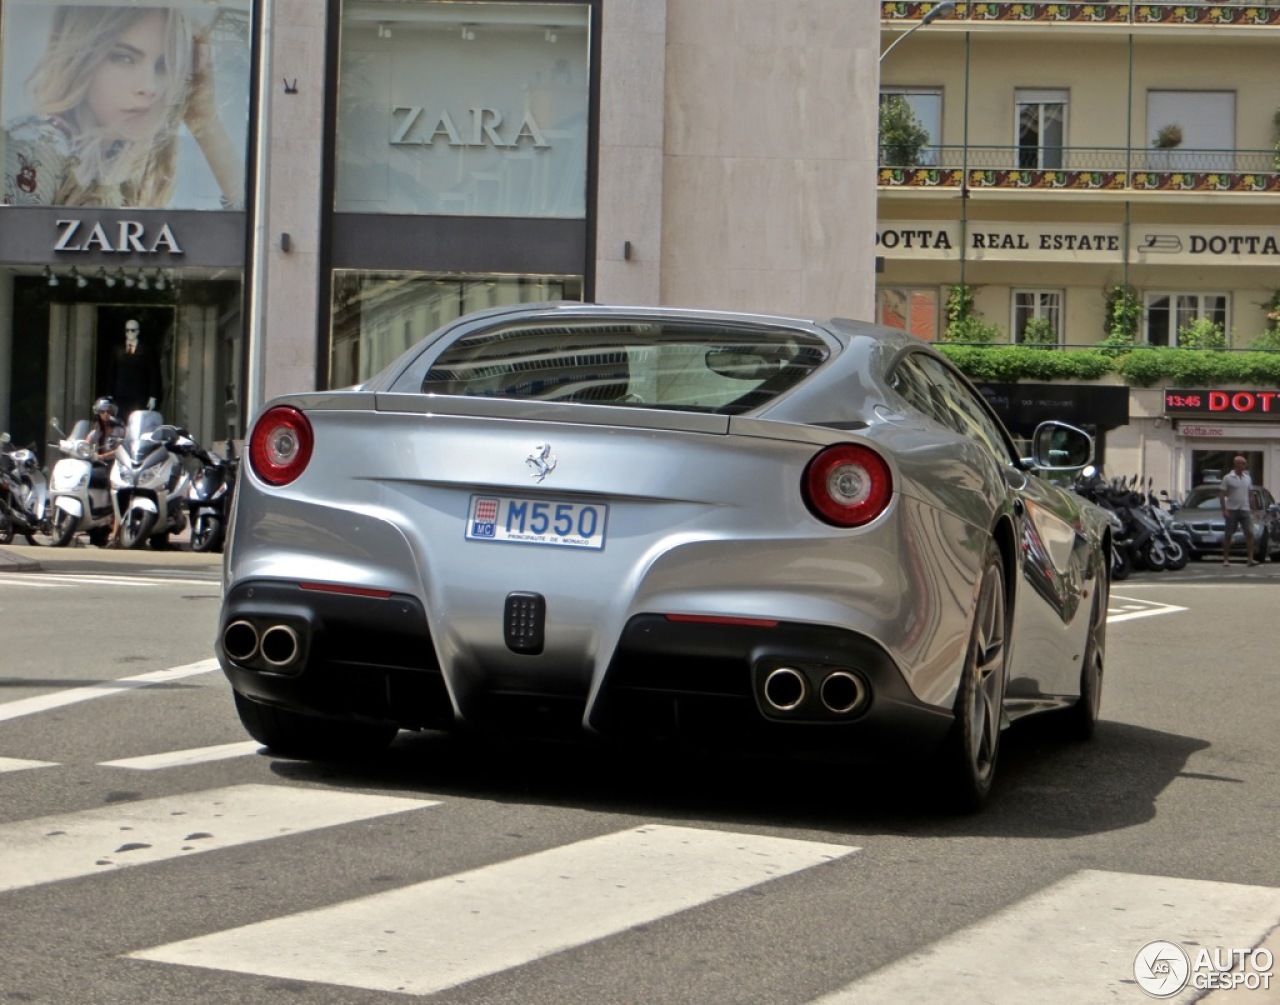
(280, 445)
(847, 485)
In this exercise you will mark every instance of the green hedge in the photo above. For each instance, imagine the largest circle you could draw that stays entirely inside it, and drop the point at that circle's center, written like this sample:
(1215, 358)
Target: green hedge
(1140, 367)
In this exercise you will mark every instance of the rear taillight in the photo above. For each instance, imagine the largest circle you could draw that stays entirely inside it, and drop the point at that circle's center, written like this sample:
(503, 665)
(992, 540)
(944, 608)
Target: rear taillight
(280, 445)
(847, 485)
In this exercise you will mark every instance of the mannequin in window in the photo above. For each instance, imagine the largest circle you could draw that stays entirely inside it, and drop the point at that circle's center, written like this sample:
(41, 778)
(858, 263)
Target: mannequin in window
(135, 372)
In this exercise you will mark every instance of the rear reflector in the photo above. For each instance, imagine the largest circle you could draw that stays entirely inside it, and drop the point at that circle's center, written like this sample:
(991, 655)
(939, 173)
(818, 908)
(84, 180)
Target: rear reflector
(350, 591)
(715, 619)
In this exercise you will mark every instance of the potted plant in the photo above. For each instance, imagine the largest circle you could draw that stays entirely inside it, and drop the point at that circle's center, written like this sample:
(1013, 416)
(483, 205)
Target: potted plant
(1168, 137)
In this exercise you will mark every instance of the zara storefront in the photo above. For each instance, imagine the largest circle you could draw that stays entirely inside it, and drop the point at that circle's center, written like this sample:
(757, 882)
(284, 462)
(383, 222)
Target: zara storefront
(428, 159)
(463, 152)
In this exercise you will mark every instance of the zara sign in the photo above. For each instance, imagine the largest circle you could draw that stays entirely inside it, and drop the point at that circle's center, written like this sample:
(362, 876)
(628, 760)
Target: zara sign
(126, 237)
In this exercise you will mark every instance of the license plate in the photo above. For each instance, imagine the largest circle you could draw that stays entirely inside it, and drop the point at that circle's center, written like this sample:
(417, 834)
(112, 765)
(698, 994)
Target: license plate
(537, 521)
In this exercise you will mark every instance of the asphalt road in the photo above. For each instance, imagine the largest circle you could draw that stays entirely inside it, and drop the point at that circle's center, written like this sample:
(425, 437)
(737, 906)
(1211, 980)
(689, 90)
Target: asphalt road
(150, 853)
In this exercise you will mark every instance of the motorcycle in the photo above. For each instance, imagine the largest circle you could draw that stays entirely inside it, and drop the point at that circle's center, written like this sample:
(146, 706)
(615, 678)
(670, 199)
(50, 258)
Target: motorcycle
(208, 497)
(24, 495)
(79, 489)
(148, 481)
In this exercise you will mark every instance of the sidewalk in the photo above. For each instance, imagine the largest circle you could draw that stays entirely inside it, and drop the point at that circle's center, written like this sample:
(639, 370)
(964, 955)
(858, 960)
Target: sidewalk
(85, 558)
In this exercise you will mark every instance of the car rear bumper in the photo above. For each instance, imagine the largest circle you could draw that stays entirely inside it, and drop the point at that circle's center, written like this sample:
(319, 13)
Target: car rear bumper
(746, 683)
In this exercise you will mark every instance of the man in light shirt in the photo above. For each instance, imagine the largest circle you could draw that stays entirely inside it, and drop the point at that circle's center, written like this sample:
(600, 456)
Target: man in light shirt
(1234, 493)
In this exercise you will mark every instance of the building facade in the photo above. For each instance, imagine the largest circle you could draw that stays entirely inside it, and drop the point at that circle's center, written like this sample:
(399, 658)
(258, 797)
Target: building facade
(1046, 155)
(287, 193)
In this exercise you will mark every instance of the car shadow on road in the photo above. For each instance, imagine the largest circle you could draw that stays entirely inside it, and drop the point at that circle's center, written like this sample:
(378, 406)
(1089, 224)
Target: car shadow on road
(1048, 785)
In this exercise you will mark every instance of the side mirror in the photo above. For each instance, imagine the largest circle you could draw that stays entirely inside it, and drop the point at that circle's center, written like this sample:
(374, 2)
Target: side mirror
(1056, 446)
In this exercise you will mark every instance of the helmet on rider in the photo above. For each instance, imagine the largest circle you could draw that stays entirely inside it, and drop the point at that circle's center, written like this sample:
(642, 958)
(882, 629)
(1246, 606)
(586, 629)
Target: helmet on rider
(105, 405)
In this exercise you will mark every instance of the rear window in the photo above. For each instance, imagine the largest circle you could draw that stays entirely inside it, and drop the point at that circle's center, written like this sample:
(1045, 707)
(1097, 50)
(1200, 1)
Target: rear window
(679, 365)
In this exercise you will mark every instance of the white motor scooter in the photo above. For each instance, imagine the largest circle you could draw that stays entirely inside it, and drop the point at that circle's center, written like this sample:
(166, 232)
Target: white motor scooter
(79, 489)
(148, 481)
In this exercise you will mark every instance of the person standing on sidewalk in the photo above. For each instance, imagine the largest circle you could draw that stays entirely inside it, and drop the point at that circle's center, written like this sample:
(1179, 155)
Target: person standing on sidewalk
(1237, 486)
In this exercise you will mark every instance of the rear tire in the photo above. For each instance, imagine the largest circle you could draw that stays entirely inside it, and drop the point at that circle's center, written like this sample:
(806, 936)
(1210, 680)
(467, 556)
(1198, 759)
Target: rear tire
(6, 530)
(1083, 715)
(64, 528)
(135, 528)
(969, 752)
(294, 734)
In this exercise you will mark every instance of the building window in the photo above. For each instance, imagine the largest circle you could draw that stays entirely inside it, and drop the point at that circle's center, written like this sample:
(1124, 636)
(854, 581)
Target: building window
(910, 309)
(1037, 316)
(463, 109)
(1168, 313)
(1041, 128)
(1191, 130)
(378, 315)
(925, 106)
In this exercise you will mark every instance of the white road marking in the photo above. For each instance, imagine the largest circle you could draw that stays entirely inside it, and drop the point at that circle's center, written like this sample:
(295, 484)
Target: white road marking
(15, 764)
(182, 758)
(1129, 608)
(1073, 942)
(438, 934)
(48, 849)
(58, 699)
(53, 580)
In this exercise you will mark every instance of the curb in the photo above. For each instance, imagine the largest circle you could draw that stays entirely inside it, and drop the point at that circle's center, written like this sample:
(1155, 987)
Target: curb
(11, 561)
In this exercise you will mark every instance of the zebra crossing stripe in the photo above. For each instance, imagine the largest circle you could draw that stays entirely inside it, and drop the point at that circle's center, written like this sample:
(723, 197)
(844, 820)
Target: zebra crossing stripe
(48, 849)
(1075, 941)
(434, 935)
(16, 764)
(182, 758)
(58, 699)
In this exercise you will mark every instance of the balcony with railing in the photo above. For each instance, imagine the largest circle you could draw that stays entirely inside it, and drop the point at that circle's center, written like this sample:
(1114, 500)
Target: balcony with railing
(1249, 13)
(1085, 169)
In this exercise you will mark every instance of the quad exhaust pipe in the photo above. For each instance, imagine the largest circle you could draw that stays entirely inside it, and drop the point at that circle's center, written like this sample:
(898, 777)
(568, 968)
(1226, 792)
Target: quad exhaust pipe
(785, 689)
(240, 641)
(840, 692)
(278, 646)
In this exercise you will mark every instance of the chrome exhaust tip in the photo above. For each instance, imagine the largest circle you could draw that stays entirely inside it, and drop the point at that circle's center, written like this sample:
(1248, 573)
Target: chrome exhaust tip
(280, 646)
(785, 689)
(240, 641)
(842, 692)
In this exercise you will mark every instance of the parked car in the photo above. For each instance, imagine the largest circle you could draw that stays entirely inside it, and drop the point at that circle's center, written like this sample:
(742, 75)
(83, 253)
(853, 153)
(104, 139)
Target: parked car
(654, 523)
(1201, 514)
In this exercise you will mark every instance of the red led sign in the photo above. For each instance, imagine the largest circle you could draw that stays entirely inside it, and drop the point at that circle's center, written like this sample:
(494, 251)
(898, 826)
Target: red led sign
(1220, 404)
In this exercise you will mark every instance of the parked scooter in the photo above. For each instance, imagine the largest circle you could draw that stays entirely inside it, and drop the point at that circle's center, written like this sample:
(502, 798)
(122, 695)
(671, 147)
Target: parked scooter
(1177, 540)
(24, 495)
(79, 489)
(1093, 487)
(209, 495)
(148, 481)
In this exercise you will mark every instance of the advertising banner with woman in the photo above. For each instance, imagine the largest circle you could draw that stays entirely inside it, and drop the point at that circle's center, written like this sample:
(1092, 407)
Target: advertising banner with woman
(125, 106)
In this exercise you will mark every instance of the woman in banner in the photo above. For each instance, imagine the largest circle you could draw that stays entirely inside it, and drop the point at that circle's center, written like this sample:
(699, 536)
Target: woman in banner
(109, 96)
